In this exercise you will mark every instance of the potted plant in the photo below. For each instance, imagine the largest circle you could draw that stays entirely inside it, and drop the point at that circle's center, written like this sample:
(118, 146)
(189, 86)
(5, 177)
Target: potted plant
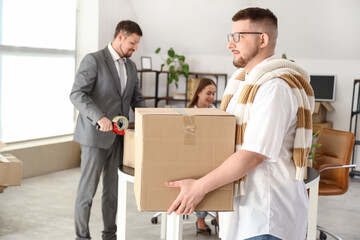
(176, 64)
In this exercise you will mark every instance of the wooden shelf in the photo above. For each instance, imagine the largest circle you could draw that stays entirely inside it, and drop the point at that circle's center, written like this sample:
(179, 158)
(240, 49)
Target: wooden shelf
(148, 97)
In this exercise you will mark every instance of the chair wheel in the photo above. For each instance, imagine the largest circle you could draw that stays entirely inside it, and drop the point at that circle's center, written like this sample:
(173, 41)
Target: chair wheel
(154, 220)
(323, 236)
(213, 222)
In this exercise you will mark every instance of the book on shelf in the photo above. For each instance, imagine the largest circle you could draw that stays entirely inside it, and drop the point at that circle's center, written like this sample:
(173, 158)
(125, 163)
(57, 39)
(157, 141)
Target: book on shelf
(179, 96)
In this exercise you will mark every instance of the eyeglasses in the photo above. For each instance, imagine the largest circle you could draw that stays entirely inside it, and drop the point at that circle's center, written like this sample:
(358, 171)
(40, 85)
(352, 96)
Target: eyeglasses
(237, 35)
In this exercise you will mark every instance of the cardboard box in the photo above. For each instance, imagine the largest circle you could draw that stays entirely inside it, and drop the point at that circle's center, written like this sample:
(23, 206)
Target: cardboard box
(320, 110)
(319, 126)
(129, 148)
(2, 144)
(179, 143)
(10, 170)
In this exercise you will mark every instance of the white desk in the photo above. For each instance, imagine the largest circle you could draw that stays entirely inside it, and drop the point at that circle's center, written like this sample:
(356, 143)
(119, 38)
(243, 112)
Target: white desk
(312, 183)
(126, 174)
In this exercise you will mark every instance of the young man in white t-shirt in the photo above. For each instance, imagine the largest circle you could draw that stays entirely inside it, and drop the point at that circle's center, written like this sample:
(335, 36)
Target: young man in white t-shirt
(275, 204)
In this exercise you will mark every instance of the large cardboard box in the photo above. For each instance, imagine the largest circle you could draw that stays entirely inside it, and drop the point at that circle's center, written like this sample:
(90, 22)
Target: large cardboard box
(10, 170)
(129, 148)
(178, 143)
(2, 144)
(320, 110)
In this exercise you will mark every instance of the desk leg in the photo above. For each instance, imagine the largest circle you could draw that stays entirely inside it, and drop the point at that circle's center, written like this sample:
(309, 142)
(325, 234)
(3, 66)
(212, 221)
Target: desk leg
(313, 207)
(121, 214)
(174, 227)
(163, 226)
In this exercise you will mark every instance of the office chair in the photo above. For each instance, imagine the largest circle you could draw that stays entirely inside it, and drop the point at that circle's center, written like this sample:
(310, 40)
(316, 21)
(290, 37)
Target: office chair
(332, 162)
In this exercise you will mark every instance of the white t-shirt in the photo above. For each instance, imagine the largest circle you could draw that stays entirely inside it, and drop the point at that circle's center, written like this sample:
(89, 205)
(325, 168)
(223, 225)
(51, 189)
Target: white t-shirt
(274, 202)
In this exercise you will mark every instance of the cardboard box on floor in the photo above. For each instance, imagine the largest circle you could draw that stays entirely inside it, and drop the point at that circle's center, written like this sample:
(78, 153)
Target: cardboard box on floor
(2, 144)
(177, 143)
(129, 148)
(10, 170)
(320, 110)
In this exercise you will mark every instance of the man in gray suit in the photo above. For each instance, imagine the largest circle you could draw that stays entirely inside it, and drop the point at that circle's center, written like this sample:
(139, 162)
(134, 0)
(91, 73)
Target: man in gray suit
(105, 86)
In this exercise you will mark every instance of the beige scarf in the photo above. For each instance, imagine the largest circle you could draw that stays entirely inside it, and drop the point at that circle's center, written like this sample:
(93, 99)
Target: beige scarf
(299, 82)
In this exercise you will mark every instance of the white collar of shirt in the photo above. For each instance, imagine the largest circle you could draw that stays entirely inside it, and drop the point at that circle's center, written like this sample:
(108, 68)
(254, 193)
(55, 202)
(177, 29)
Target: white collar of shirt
(116, 57)
(114, 54)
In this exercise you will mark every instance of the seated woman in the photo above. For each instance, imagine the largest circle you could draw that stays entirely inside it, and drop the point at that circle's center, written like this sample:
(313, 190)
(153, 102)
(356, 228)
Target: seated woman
(203, 98)
(204, 95)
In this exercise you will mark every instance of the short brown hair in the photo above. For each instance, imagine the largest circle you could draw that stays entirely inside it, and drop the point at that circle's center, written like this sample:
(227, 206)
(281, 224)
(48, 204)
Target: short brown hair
(256, 14)
(127, 27)
(201, 85)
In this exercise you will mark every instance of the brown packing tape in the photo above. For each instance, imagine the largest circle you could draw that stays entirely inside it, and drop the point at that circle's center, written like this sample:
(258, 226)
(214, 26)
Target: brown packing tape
(189, 127)
(121, 121)
(189, 130)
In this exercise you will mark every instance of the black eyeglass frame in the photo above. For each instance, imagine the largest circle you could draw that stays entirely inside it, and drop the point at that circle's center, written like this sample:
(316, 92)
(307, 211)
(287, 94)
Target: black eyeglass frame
(232, 35)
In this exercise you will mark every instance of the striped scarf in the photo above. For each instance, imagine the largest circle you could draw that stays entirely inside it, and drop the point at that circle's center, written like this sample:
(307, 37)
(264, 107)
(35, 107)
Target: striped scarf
(299, 82)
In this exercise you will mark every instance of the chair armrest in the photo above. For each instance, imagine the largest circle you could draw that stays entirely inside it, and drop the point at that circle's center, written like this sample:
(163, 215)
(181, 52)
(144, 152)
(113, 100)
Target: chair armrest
(334, 166)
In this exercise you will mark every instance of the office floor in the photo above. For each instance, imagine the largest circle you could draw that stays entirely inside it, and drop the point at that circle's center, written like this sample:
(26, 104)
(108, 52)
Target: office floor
(42, 209)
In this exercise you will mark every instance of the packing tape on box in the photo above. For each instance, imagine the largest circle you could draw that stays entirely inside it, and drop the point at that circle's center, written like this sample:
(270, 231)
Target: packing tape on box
(3, 159)
(189, 127)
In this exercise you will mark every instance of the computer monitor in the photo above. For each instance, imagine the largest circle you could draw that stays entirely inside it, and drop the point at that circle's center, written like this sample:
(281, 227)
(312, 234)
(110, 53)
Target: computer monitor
(324, 87)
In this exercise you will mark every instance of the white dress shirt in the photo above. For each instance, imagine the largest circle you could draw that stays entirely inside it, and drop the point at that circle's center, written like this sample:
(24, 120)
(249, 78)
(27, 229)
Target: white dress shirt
(116, 57)
(274, 202)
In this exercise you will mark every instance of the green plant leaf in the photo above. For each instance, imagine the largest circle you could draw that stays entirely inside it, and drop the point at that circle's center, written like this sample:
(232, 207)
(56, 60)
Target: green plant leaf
(181, 58)
(171, 53)
(317, 133)
(172, 68)
(185, 68)
(168, 61)
(170, 79)
(157, 50)
(162, 66)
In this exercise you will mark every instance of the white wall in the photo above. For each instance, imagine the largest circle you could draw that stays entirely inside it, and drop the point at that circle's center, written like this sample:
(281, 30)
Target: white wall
(321, 36)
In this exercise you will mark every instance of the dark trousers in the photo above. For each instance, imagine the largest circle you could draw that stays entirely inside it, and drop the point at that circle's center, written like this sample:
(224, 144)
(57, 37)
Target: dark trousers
(95, 161)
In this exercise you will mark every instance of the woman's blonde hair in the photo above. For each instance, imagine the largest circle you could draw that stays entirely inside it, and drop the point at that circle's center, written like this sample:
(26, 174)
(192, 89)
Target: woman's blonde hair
(201, 85)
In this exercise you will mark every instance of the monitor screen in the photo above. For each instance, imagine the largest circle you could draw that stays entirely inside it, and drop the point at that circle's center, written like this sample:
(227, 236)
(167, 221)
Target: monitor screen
(324, 87)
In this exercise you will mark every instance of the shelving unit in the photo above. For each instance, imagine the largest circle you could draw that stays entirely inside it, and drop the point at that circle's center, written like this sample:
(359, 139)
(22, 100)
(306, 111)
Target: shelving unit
(167, 98)
(355, 112)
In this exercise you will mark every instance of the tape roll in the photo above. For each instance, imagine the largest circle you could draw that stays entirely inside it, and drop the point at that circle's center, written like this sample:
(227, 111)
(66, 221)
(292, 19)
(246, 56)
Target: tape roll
(121, 122)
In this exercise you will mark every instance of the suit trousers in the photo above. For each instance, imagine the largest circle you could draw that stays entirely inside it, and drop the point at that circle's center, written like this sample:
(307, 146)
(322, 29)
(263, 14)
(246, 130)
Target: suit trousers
(95, 161)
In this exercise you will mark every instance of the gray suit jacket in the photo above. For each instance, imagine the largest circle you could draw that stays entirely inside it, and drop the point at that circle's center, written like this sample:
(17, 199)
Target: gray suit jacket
(96, 93)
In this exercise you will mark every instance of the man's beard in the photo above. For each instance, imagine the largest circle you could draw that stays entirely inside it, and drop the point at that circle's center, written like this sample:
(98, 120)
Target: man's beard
(239, 63)
(128, 54)
(242, 62)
